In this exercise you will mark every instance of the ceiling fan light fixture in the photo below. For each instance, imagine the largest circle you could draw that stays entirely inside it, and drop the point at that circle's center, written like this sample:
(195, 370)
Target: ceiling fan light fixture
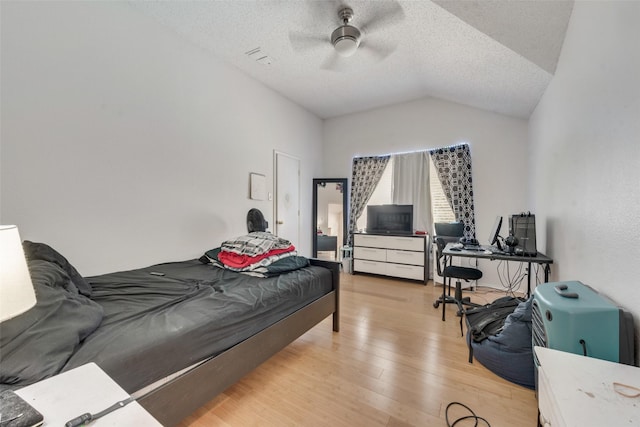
(345, 40)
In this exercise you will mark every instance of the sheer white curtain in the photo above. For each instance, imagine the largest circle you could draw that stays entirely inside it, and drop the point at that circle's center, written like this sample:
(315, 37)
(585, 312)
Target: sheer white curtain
(411, 186)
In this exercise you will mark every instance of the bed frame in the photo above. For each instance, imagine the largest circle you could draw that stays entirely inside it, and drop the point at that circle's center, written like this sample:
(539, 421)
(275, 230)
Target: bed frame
(180, 397)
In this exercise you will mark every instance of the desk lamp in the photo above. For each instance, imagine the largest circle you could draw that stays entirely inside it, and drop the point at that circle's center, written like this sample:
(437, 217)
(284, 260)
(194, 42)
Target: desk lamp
(16, 290)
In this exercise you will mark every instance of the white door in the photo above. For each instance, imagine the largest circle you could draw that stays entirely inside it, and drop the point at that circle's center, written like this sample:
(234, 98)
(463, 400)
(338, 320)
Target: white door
(287, 200)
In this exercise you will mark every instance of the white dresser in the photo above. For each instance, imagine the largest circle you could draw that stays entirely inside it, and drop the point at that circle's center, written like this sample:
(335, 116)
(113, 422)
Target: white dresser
(580, 391)
(391, 255)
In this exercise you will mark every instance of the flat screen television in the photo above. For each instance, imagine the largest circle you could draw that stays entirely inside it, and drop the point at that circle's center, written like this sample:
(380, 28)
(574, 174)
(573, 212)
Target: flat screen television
(390, 219)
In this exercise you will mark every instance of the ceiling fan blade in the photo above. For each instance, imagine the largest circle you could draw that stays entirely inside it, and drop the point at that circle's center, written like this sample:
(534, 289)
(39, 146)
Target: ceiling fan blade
(387, 14)
(331, 62)
(336, 63)
(304, 42)
(378, 49)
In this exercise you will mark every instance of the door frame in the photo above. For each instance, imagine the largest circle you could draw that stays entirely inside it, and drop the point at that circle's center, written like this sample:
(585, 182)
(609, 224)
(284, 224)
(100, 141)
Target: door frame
(314, 211)
(277, 153)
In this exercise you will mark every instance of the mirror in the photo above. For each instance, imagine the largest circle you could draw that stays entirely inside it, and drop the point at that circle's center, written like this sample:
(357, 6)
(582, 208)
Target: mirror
(329, 217)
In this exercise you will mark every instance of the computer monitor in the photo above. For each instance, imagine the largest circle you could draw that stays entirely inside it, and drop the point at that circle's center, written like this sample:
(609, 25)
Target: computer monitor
(494, 238)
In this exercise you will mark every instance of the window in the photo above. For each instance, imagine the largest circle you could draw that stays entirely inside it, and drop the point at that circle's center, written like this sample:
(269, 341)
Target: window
(440, 208)
(383, 195)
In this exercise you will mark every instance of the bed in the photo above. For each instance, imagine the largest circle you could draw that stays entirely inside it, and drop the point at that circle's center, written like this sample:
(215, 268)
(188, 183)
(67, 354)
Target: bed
(174, 335)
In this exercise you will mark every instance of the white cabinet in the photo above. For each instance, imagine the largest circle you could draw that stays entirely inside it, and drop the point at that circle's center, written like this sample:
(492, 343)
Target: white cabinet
(575, 390)
(80, 390)
(397, 256)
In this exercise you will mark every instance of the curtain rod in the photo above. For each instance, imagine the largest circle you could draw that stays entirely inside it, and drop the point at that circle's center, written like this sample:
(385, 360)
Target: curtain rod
(414, 151)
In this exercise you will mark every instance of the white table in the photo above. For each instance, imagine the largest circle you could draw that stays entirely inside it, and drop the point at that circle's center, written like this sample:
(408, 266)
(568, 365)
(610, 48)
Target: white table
(580, 391)
(81, 390)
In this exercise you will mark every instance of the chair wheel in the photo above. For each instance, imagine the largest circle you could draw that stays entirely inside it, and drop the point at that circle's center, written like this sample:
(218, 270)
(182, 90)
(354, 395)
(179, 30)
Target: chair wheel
(436, 304)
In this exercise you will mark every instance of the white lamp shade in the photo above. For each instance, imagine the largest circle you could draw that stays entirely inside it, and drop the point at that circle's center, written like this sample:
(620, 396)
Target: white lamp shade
(16, 290)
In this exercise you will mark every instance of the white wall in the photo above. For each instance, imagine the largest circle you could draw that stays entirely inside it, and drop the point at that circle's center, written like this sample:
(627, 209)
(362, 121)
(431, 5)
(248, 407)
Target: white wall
(123, 145)
(498, 148)
(585, 153)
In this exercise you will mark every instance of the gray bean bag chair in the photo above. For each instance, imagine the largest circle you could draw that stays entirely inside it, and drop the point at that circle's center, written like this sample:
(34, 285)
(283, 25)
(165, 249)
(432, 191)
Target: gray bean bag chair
(509, 353)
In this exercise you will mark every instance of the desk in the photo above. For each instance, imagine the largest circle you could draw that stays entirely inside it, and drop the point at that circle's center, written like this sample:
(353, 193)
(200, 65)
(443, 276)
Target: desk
(541, 259)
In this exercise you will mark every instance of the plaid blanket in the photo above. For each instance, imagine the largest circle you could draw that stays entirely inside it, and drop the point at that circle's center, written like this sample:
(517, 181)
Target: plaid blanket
(254, 244)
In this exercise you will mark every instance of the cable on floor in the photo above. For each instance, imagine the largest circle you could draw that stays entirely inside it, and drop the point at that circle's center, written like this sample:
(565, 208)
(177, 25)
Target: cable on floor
(473, 416)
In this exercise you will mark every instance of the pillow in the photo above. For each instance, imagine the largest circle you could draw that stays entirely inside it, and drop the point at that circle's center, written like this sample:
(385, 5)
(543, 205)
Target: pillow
(41, 251)
(51, 274)
(211, 256)
(37, 344)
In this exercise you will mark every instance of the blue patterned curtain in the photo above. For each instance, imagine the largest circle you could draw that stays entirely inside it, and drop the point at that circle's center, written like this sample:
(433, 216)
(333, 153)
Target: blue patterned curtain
(367, 172)
(453, 165)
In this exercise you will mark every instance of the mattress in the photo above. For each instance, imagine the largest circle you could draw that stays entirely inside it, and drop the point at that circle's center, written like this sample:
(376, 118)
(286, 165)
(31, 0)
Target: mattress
(142, 325)
(166, 317)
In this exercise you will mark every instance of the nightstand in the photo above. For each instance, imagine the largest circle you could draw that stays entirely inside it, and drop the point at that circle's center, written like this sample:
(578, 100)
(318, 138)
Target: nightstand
(575, 390)
(84, 389)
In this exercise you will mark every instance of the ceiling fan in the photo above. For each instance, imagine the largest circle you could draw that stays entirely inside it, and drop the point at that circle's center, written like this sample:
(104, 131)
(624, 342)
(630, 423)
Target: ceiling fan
(347, 38)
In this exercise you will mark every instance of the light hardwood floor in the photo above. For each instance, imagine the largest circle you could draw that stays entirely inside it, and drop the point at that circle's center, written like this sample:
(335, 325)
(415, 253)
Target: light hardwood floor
(394, 363)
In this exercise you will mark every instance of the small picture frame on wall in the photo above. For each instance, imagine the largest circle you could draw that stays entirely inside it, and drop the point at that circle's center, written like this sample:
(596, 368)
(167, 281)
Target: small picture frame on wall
(257, 186)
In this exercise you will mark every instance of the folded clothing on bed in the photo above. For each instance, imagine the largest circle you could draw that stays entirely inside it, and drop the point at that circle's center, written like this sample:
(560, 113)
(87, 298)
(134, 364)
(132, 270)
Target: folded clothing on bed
(255, 243)
(267, 267)
(258, 254)
(232, 259)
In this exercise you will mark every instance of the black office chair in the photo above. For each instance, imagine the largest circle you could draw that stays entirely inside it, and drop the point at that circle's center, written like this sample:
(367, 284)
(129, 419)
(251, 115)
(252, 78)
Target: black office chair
(453, 272)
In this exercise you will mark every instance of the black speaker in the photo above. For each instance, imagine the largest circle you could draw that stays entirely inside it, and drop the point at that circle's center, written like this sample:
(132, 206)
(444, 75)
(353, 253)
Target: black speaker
(523, 227)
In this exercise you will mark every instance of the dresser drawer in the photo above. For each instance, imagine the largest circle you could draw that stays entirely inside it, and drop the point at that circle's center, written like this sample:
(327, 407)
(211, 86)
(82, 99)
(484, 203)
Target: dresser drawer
(390, 242)
(405, 257)
(372, 254)
(405, 271)
(405, 243)
(374, 267)
(368, 241)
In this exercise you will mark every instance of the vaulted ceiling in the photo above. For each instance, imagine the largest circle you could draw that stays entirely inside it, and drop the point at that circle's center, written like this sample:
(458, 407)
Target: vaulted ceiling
(497, 55)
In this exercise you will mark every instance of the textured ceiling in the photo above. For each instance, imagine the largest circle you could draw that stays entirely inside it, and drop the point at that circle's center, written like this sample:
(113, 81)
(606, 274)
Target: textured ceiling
(497, 55)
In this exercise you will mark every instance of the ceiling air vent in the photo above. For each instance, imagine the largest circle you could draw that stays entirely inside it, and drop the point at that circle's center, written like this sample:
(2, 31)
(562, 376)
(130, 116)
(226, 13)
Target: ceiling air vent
(259, 56)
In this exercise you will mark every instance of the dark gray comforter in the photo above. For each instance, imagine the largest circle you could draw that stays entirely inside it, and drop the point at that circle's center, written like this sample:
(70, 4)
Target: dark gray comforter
(142, 325)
